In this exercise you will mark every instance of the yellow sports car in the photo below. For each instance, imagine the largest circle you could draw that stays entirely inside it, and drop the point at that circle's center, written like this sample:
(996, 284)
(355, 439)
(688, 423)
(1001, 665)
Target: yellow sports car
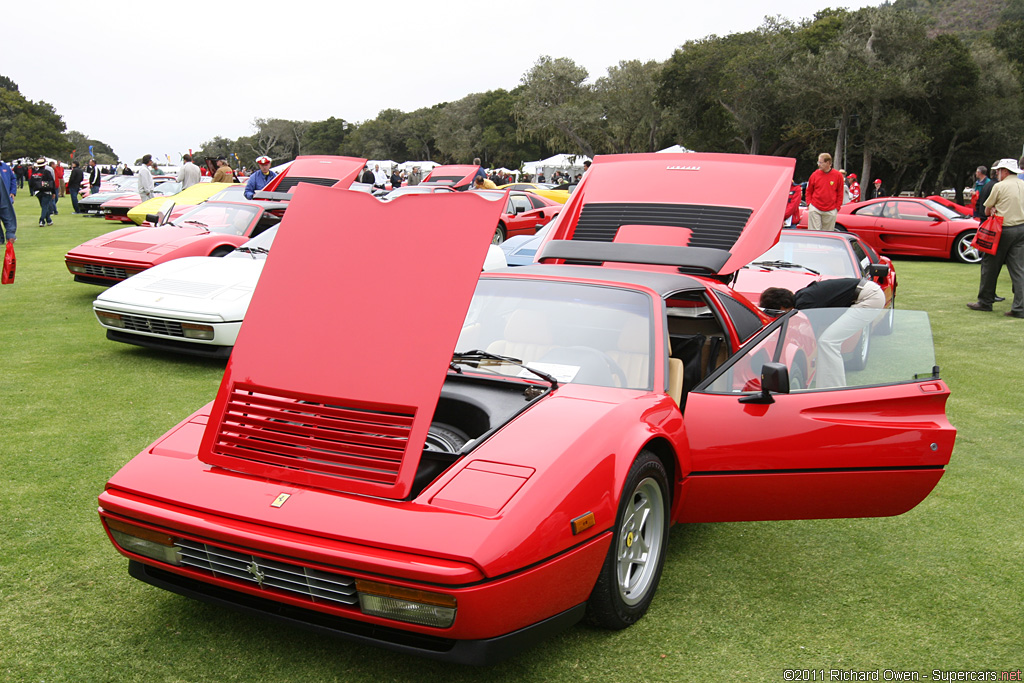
(197, 194)
(543, 189)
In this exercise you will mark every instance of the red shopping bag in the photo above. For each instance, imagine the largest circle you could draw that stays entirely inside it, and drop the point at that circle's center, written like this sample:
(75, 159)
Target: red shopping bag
(987, 237)
(7, 277)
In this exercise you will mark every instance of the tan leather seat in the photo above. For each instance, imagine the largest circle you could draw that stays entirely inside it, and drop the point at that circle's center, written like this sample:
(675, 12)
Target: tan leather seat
(633, 354)
(527, 336)
(675, 380)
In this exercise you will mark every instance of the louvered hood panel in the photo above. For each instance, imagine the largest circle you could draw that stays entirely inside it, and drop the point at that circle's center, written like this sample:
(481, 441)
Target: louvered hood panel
(323, 441)
(337, 371)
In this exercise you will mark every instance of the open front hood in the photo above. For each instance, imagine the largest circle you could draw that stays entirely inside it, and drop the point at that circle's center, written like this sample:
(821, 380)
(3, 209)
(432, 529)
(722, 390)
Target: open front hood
(455, 176)
(662, 206)
(323, 170)
(337, 371)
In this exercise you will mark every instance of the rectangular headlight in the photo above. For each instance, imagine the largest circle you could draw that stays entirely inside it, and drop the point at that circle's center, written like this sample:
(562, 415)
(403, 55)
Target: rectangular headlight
(193, 331)
(405, 604)
(145, 542)
(76, 268)
(110, 319)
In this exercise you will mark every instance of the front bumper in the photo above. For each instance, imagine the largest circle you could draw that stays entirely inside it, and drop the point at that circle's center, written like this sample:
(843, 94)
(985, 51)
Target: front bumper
(494, 616)
(483, 651)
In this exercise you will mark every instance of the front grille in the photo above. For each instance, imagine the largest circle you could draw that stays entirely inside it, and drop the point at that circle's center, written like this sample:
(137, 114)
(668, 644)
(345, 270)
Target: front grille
(715, 227)
(287, 183)
(138, 323)
(97, 270)
(318, 586)
(318, 440)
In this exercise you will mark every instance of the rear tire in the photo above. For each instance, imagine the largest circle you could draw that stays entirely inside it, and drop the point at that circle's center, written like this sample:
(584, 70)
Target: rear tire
(632, 568)
(499, 234)
(963, 251)
(858, 360)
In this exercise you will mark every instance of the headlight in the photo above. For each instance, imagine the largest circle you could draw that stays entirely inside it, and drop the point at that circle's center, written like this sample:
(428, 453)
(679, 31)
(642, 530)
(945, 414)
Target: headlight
(145, 542)
(110, 319)
(406, 604)
(193, 331)
(76, 268)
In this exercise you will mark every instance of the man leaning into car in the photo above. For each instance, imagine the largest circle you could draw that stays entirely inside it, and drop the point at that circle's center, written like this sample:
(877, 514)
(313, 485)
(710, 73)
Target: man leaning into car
(863, 297)
(824, 195)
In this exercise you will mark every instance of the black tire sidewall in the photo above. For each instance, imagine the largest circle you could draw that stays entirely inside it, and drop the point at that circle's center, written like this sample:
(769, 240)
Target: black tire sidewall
(605, 608)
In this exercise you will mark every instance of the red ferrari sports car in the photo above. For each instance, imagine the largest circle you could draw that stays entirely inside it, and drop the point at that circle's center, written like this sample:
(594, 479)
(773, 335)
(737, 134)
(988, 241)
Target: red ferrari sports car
(210, 229)
(803, 256)
(458, 480)
(910, 226)
(524, 214)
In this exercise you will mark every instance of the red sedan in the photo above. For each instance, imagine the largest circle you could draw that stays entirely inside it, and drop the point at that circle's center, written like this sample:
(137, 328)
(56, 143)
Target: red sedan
(910, 226)
(460, 474)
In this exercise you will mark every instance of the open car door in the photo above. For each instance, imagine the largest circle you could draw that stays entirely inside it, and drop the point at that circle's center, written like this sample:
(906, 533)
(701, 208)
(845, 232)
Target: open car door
(872, 448)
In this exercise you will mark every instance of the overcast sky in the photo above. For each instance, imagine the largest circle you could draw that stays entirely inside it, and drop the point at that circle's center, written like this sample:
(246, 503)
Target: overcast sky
(163, 79)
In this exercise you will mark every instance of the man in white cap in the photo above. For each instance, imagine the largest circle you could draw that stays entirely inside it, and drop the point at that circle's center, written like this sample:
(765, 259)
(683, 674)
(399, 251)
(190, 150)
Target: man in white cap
(259, 179)
(1006, 200)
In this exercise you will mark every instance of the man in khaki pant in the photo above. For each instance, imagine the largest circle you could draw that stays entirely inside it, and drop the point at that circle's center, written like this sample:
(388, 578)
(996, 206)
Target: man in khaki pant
(1007, 200)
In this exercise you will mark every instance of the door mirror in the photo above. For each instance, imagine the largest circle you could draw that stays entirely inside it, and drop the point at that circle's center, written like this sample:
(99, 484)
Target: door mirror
(878, 270)
(935, 216)
(774, 380)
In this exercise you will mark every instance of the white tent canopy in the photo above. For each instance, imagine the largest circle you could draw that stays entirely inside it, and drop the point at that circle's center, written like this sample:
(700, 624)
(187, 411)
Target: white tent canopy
(425, 166)
(560, 162)
(674, 149)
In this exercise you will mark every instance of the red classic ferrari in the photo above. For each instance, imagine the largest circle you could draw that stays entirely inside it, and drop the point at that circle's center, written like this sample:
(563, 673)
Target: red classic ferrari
(459, 478)
(210, 229)
(910, 226)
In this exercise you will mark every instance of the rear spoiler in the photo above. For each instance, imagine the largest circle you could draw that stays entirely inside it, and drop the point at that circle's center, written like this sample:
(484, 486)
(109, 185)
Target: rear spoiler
(276, 196)
(700, 260)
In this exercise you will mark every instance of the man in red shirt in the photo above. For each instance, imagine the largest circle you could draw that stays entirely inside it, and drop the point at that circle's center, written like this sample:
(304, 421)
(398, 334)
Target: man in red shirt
(824, 195)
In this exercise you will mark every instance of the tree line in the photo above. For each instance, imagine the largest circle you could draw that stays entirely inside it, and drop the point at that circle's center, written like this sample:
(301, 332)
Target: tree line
(879, 88)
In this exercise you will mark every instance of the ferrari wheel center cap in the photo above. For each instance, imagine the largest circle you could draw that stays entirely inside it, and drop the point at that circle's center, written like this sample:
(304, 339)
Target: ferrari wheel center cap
(629, 540)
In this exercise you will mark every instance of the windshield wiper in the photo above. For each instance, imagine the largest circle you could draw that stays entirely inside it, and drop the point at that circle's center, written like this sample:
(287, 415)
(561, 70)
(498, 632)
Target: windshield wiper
(783, 264)
(254, 250)
(476, 355)
(199, 223)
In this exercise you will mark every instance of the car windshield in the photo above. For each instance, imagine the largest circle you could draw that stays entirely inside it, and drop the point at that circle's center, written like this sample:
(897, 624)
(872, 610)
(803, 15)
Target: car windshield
(821, 254)
(875, 347)
(126, 183)
(948, 213)
(257, 247)
(415, 189)
(586, 334)
(167, 188)
(228, 219)
(230, 194)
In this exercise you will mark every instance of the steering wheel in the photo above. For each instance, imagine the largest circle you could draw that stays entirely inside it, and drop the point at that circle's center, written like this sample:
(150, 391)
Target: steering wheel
(596, 366)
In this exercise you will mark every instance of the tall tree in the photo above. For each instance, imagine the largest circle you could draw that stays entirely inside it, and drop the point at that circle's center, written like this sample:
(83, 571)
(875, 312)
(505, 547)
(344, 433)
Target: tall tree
(628, 97)
(557, 106)
(326, 137)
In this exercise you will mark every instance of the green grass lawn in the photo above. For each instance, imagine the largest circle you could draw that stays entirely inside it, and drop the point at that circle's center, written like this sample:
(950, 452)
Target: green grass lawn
(940, 587)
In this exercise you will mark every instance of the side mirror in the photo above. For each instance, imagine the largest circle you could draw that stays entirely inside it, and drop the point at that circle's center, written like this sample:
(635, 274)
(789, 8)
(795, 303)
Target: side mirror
(934, 215)
(153, 218)
(774, 380)
(878, 270)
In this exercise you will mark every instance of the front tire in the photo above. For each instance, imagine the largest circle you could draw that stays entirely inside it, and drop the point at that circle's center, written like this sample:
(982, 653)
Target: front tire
(632, 568)
(963, 251)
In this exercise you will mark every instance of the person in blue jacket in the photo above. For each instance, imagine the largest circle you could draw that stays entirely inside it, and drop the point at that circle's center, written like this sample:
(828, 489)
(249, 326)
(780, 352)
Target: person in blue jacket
(259, 179)
(8, 188)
